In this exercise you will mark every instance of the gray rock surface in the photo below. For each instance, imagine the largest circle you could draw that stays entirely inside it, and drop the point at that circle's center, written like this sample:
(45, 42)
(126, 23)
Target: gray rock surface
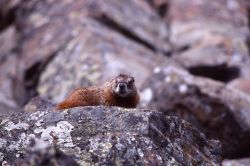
(48, 48)
(97, 58)
(217, 110)
(107, 135)
(239, 162)
(8, 70)
(211, 37)
(39, 152)
(100, 40)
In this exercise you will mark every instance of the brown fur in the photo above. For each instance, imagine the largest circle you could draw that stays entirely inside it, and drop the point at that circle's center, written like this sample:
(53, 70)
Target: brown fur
(103, 95)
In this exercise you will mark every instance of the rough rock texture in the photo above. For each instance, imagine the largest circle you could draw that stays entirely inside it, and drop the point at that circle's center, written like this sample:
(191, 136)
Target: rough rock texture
(7, 13)
(161, 7)
(94, 45)
(108, 136)
(241, 84)
(212, 32)
(8, 70)
(240, 162)
(7, 41)
(40, 153)
(48, 28)
(7, 74)
(48, 48)
(98, 58)
(218, 111)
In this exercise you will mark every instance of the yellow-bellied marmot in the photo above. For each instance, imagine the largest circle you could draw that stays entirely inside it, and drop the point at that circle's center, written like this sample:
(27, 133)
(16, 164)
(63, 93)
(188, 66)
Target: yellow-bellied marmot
(120, 91)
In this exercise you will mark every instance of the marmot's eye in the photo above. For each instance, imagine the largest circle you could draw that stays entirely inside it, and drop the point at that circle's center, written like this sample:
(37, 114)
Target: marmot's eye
(131, 81)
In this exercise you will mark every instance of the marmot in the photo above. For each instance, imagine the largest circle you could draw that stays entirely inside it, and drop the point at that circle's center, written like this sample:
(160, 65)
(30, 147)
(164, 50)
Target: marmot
(120, 91)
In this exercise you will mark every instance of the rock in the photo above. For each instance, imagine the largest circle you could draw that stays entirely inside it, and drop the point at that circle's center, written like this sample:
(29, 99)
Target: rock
(204, 36)
(7, 42)
(108, 136)
(7, 13)
(46, 23)
(241, 84)
(143, 31)
(161, 7)
(99, 57)
(99, 40)
(8, 63)
(218, 111)
(234, 12)
(8, 70)
(40, 153)
(57, 46)
(7, 74)
(38, 103)
(97, 53)
(237, 162)
(7, 5)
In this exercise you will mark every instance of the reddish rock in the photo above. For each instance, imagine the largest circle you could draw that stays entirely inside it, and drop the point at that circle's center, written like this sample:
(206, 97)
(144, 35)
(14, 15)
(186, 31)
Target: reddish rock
(241, 84)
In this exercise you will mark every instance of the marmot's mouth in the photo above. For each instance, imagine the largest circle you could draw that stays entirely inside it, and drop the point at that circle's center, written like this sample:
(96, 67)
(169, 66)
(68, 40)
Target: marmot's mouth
(121, 92)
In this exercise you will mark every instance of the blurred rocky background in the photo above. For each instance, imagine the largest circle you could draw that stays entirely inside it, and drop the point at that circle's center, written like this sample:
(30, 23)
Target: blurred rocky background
(190, 60)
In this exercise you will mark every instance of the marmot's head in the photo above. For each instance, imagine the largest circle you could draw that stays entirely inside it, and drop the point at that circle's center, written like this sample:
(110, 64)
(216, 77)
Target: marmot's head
(124, 85)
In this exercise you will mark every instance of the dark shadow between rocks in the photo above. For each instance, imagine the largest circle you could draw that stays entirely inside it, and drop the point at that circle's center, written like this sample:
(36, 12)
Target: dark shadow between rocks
(112, 24)
(7, 18)
(32, 76)
(163, 9)
(248, 36)
(222, 73)
(109, 22)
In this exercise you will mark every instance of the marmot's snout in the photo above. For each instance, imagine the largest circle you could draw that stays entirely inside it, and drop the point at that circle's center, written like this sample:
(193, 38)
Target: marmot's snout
(122, 89)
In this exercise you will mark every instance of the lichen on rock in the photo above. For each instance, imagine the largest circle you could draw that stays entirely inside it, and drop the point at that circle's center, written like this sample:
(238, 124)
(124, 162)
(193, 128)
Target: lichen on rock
(110, 136)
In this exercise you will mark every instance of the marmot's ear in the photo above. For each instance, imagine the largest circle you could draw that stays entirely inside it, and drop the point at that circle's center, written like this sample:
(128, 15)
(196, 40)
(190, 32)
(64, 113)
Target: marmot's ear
(126, 75)
(131, 80)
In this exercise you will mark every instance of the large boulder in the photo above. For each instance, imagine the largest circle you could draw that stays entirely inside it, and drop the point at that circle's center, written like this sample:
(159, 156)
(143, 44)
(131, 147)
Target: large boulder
(81, 43)
(96, 55)
(8, 70)
(220, 112)
(105, 135)
(210, 33)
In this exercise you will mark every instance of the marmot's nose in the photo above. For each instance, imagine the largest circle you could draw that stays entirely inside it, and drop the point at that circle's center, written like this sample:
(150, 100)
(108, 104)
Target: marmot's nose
(122, 85)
